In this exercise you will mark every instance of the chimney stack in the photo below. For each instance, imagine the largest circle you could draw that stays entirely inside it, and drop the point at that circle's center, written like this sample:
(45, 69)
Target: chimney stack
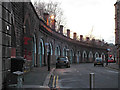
(61, 29)
(93, 40)
(99, 42)
(68, 33)
(46, 16)
(87, 38)
(53, 24)
(81, 37)
(74, 35)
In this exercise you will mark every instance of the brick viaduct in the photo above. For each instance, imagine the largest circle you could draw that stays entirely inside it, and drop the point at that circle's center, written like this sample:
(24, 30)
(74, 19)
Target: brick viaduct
(24, 34)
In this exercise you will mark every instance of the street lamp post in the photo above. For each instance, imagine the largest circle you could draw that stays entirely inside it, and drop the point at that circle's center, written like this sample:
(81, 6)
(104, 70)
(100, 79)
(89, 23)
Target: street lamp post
(49, 53)
(108, 50)
(49, 61)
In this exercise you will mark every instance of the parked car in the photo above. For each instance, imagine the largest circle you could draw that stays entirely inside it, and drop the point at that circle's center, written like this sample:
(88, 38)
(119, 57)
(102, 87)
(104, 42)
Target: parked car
(62, 61)
(98, 61)
(110, 60)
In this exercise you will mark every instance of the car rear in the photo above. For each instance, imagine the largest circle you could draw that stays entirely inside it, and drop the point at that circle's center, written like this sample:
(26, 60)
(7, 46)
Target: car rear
(111, 60)
(62, 61)
(98, 61)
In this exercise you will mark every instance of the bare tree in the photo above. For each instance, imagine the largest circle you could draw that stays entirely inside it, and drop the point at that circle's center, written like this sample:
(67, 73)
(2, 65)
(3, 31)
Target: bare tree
(53, 8)
(90, 35)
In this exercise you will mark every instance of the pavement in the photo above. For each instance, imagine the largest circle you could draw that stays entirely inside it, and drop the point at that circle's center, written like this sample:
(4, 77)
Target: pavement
(38, 77)
(113, 66)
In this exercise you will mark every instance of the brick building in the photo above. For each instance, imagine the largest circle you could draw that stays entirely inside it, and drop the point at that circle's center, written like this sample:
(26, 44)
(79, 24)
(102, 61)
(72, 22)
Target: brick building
(0, 46)
(117, 29)
(23, 33)
(11, 31)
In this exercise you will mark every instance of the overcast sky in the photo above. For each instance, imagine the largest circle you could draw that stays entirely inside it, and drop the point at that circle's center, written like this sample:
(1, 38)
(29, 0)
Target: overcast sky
(83, 15)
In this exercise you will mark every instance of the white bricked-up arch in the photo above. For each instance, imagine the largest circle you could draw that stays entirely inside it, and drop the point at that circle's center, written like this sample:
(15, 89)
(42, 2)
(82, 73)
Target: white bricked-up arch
(71, 56)
(96, 55)
(103, 56)
(57, 51)
(78, 56)
(90, 56)
(41, 52)
(84, 56)
(64, 51)
(51, 48)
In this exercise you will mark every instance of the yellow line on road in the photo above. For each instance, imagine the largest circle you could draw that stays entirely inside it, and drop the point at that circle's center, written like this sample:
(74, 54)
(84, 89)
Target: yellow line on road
(53, 85)
(57, 81)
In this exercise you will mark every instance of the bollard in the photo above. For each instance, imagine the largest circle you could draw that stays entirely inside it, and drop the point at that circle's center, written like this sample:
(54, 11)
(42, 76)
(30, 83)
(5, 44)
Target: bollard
(19, 78)
(92, 81)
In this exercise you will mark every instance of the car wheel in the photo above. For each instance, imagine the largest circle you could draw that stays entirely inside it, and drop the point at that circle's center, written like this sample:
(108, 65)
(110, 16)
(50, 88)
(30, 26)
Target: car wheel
(94, 65)
(67, 66)
(102, 65)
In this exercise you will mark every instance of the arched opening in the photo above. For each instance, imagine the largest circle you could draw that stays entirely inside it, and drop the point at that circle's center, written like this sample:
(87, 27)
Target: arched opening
(34, 62)
(51, 49)
(96, 55)
(90, 56)
(84, 56)
(71, 56)
(78, 57)
(103, 56)
(49, 52)
(64, 51)
(41, 52)
(57, 51)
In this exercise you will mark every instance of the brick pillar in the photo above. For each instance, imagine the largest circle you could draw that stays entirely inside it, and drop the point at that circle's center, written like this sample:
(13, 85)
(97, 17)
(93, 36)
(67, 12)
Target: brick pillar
(46, 16)
(68, 33)
(87, 38)
(74, 35)
(61, 29)
(53, 24)
(81, 37)
(99, 42)
(93, 41)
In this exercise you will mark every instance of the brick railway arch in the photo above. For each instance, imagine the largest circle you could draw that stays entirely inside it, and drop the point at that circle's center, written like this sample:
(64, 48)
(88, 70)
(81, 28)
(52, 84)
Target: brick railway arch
(50, 48)
(29, 28)
(78, 56)
(41, 52)
(71, 56)
(34, 61)
(103, 56)
(57, 51)
(90, 56)
(96, 55)
(30, 36)
(84, 56)
(59, 44)
(65, 51)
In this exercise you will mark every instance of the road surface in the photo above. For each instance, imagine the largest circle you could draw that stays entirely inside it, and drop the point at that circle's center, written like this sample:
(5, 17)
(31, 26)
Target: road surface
(77, 76)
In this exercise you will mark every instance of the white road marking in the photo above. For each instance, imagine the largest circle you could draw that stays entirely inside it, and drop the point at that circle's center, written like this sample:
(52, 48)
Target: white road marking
(112, 71)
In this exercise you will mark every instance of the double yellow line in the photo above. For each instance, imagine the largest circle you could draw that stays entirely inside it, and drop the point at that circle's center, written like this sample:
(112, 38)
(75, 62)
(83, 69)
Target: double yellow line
(55, 81)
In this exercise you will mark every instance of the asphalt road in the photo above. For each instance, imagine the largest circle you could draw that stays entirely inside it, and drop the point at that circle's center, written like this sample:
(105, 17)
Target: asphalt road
(77, 76)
